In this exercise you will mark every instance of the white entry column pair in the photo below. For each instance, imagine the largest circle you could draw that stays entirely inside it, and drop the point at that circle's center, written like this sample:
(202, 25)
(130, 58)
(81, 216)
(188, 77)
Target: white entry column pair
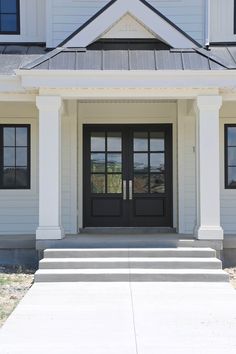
(208, 168)
(50, 110)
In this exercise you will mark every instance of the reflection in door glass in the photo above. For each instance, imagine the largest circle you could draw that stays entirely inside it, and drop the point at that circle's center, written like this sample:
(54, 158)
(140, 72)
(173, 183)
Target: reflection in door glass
(114, 141)
(140, 141)
(157, 141)
(157, 162)
(141, 162)
(114, 164)
(114, 184)
(98, 184)
(97, 162)
(141, 183)
(98, 142)
(157, 183)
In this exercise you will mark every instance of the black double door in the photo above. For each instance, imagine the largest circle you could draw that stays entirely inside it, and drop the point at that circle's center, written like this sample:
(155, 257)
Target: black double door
(128, 175)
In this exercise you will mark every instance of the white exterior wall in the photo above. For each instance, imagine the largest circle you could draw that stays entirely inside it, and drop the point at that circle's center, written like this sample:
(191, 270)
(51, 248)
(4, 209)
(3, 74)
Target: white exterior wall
(32, 23)
(19, 208)
(222, 21)
(228, 196)
(65, 16)
(187, 173)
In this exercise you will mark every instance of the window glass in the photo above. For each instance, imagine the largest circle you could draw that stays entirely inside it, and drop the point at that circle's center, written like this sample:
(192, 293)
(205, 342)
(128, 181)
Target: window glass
(9, 16)
(14, 157)
(230, 156)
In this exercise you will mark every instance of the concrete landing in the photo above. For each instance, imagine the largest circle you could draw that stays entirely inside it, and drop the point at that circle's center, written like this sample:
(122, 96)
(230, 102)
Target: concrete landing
(123, 318)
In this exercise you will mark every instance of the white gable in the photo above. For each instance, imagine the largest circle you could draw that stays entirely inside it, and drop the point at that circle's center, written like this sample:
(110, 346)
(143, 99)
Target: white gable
(128, 27)
(155, 22)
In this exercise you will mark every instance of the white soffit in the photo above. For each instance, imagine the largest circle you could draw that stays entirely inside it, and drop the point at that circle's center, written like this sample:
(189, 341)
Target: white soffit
(153, 23)
(128, 27)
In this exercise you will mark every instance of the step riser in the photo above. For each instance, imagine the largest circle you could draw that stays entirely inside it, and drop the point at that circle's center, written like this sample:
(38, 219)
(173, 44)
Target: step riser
(136, 265)
(120, 253)
(131, 278)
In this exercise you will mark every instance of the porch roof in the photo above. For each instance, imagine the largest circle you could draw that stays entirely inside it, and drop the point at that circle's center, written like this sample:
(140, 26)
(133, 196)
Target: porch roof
(135, 59)
(30, 57)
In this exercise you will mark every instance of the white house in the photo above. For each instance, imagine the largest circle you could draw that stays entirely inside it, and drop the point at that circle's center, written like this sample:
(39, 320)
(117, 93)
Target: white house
(118, 113)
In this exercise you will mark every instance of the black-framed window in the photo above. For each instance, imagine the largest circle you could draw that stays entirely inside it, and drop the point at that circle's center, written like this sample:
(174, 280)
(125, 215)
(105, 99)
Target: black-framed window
(14, 156)
(234, 12)
(9, 16)
(230, 156)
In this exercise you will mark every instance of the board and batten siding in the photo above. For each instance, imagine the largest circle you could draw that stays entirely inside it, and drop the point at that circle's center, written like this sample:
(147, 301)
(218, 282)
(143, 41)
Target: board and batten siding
(19, 208)
(32, 23)
(65, 16)
(222, 21)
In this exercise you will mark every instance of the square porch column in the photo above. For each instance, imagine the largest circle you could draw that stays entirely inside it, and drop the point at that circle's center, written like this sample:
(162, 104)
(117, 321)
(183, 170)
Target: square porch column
(208, 168)
(49, 168)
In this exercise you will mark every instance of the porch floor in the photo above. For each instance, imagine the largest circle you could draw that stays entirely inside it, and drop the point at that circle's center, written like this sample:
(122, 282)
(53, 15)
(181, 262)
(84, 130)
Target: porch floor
(127, 240)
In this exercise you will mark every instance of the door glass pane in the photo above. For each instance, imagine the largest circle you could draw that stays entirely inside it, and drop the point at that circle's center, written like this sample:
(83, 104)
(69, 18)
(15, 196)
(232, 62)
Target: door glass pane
(232, 177)
(141, 162)
(97, 162)
(157, 183)
(140, 141)
(21, 156)
(140, 183)
(21, 137)
(9, 136)
(157, 162)
(114, 184)
(98, 184)
(98, 141)
(232, 156)
(114, 163)
(8, 23)
(157, 141)
(231, 136)
(114, 141)
(9, 157)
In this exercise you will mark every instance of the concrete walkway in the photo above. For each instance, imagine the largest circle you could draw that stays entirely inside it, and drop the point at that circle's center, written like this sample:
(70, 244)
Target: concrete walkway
(123, 318)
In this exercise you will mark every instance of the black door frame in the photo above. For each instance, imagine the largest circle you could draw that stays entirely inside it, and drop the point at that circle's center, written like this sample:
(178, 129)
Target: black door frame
(167, 127)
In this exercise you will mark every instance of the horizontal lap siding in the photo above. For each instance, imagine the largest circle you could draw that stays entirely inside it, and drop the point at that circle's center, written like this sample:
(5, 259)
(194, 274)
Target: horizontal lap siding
(19, 209)
(68, 15)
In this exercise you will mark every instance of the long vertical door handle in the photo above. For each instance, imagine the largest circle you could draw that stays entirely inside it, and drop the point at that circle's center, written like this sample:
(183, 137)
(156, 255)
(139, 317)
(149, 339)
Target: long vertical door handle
(124, 190)
(130, 190)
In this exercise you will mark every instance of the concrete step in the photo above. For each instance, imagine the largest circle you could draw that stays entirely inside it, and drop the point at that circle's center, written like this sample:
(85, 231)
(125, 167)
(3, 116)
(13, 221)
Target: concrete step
(133, 275)
(125, 262)
(133, 252)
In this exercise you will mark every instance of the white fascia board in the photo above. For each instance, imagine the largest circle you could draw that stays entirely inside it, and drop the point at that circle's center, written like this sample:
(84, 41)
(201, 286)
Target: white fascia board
(10, 83)
(155, 23)
(130, 79)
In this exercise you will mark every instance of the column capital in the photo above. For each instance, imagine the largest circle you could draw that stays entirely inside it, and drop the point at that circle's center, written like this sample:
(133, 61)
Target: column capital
(209, 102)
(49, 103)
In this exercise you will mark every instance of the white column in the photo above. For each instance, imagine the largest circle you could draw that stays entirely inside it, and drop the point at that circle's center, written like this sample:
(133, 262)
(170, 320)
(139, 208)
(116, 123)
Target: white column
(49, 168)
(208, 168)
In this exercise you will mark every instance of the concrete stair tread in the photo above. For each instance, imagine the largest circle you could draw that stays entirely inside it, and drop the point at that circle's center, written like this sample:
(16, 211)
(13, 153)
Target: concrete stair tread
(131, 259)
(130, 271)
(132, 252)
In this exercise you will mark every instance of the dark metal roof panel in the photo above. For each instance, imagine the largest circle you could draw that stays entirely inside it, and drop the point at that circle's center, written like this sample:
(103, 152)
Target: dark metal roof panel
(142, 60)
(115, 60)
(224, 54)
(90, 60)
(167, 60)
(195, 61)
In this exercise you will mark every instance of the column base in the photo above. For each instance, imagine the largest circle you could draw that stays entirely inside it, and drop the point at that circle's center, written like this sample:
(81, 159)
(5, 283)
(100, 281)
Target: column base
(50, 233)
(209, 233)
